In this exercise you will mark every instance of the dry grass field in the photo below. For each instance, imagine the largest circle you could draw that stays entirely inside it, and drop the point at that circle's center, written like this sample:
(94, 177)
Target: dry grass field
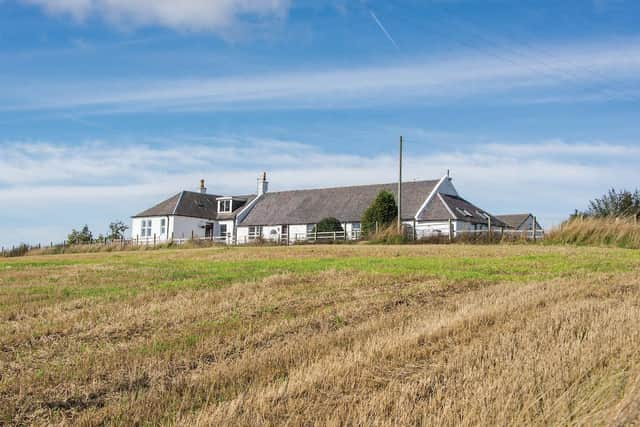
(323, 335)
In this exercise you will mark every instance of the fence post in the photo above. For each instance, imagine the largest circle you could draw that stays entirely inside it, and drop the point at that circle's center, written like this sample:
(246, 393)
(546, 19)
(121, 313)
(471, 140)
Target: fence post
(534, 228)
(154, 240)
(191, 234)
(376, 227)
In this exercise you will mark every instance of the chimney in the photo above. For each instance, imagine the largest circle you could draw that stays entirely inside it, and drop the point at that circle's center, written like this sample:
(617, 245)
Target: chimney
(263, 184)
(203, 189)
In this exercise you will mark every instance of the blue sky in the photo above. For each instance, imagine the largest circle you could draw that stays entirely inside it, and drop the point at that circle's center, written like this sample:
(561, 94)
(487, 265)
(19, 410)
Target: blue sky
(109, 106)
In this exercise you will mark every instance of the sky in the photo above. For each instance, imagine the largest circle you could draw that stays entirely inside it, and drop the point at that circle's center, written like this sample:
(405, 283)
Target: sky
(110, 106)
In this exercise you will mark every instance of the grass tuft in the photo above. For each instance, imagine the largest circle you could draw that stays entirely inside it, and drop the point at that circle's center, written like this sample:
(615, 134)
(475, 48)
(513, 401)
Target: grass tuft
(619, 232)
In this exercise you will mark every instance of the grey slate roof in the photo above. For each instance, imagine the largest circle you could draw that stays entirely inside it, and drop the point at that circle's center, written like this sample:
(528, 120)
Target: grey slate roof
(437, 210)
(347, 204)
(192, 204)
(514, 220)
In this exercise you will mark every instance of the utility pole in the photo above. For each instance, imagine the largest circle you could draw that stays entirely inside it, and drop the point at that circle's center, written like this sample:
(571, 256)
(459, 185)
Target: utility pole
(400, 187)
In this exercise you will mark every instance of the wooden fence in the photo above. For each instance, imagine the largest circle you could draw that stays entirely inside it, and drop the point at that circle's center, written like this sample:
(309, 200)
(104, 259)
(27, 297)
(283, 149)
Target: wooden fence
(286, 239)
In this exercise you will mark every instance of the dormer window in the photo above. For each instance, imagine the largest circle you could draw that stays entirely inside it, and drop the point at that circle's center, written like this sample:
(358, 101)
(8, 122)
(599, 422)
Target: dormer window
(224, 206)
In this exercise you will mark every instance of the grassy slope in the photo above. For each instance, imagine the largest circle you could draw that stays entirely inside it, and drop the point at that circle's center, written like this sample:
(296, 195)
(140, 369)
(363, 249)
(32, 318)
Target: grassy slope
(322, 335)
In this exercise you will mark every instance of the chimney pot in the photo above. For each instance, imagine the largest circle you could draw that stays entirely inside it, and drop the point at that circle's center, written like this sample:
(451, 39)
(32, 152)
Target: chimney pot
(203, 189)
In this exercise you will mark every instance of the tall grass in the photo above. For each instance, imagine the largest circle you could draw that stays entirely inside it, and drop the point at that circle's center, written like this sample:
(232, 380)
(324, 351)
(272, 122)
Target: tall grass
(620, 232)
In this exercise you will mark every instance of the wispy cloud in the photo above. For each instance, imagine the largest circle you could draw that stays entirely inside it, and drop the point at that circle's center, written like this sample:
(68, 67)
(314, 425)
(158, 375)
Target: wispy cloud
(195, 15)
(60, 186)
(573, 73)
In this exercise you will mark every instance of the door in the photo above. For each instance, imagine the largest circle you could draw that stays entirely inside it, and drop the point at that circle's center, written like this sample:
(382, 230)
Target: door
(208, 230)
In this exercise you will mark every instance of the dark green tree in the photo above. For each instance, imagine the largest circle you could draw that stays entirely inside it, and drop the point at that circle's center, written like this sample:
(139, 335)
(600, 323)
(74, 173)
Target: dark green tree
(116, 230)
(327, 225)
(614, 204)
(383, 211)
(78, 237)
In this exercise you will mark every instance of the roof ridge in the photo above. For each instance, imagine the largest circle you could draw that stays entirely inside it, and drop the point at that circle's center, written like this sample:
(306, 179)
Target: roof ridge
(353, 186)
(175, 208)
(444, 202)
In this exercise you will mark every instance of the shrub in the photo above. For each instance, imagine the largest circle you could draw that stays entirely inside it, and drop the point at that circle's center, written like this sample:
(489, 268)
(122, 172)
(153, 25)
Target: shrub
(382, 211)
(80, 237)
(388, 235)
(613, 204)
(116, 230)
(328, 225)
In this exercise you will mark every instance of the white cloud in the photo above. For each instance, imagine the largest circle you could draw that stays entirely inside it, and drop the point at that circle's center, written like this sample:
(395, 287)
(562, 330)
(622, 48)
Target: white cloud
(60, 186)
(572, 73)
(197, 15)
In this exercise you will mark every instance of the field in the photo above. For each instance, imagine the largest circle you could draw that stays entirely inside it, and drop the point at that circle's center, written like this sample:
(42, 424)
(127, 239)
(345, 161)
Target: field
(323, 335)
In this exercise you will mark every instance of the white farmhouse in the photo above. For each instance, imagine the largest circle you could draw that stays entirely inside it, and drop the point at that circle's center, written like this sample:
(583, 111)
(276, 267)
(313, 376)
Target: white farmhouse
(192, 215)
(428, 207)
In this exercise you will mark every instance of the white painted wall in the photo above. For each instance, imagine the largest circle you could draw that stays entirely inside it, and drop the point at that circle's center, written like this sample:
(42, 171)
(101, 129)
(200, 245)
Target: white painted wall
(446, 187)
(432, 227)
(271, 232)
(156, 221)
(528, 224)
(297, 232)
(242, 234)
(230, 231)
(183, 226)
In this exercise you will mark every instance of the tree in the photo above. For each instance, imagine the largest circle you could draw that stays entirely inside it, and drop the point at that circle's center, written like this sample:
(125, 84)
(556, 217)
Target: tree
(327, 225)
(614, 204)
(116, 230)
(79, 237)
(383, 211)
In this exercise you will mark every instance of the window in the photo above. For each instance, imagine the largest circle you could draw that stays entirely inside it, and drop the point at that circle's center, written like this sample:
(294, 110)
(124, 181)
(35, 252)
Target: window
(223, 230)
(255, 231)
(355, 226)
(311, 228)
(483, 214)
(148, 228)
(163, 226)
(143, 229)
(464, 212)
(224, 205)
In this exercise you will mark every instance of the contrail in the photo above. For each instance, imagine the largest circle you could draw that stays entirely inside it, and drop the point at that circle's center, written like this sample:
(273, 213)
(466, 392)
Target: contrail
(384, 30)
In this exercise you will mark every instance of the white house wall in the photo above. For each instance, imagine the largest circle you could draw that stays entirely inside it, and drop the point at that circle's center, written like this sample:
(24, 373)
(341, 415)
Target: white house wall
(183, 227)
(528, 224)
(446, 187)
(297, 232)
(428, 227)
(271, 232)
(229, 224)
(242, 234)
(136, 229)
